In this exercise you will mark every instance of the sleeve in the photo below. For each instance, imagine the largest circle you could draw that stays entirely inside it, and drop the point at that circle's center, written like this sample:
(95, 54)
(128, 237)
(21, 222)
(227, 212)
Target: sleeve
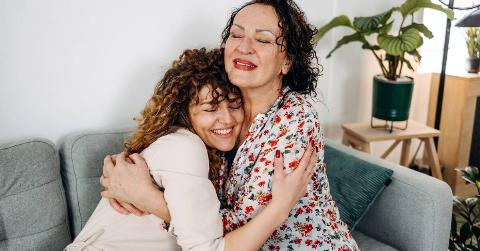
(179, 163)
(295, 132)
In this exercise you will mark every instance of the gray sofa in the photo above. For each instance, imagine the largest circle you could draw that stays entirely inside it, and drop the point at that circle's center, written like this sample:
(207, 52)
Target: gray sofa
(46, 196)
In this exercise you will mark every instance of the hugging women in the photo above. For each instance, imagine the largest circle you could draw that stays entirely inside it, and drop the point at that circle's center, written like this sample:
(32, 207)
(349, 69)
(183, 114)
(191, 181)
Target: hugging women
(270, 191)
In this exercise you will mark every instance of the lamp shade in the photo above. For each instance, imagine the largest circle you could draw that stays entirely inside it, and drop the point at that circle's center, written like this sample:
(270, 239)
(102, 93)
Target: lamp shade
(470, 20)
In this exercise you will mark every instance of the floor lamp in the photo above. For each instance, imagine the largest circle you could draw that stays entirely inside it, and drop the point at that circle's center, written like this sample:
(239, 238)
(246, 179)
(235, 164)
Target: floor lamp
(470, 20)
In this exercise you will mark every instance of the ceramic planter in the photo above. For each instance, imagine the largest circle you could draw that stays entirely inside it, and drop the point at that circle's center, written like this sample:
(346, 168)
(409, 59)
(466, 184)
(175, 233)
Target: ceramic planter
(473, 65)
(392, 99)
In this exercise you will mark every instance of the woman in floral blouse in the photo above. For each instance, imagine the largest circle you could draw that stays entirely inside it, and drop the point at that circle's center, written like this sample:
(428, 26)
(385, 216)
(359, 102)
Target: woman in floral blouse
(269, 56)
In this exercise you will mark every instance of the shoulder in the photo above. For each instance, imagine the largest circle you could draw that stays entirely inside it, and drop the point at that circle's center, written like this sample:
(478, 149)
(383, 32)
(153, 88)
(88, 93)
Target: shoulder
(297, 108)
(181, 151)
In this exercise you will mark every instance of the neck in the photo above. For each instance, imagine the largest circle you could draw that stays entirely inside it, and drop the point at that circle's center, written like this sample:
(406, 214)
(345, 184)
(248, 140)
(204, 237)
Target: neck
(259, 100)
(256, 101)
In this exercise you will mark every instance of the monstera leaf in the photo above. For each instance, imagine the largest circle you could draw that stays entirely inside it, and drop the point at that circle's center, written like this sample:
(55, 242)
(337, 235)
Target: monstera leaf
(396, 45)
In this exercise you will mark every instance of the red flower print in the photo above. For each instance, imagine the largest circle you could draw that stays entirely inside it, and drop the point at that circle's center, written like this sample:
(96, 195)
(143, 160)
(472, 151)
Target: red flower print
(301, 124)
(261, 183)
(277, 119)
(256, 170)
(248, 209)
(264, 198)
(297, 241)
(289, 116)
(298, 211)
(251, 157)
(273, 142)
(307, 228)
(293, 164)
(308, 242)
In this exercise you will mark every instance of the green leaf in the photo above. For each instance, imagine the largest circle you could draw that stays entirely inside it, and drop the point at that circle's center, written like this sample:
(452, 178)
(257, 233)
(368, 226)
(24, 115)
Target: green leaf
(410, 6)
(409, 65)
(335, 22)
(347, 39)
(371, 47)
(386, 28)
(420, 27)
(371, 24)
(415, 54)
(395, 45)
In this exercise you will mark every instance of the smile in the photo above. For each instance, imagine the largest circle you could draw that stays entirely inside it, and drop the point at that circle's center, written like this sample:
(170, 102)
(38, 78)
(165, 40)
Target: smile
(222, 131)
(244, 65)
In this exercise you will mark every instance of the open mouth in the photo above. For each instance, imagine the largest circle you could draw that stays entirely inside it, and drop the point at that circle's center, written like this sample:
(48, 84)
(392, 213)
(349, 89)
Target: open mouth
(242, 64)
(222, 132)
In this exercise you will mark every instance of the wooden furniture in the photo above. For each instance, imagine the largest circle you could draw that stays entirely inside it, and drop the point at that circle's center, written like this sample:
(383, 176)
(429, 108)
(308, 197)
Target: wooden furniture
(360, 135)
(456, 125)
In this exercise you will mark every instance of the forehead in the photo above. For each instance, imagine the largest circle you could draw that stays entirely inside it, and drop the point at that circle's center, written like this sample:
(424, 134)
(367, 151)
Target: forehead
(257, 16)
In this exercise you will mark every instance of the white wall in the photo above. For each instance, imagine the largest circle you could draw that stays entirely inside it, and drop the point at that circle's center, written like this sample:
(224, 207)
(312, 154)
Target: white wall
(73, 65)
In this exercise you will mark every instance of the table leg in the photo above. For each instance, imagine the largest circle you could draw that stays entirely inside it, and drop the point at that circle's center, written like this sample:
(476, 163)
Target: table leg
(390, 149)
(433, 157)
(366, 147)
(404, 156)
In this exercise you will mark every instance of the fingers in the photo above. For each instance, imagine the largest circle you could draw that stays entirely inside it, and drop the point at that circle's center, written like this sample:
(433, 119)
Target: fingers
(120, 158)
(303, 164)
(131, 208)
(116, 205)
(278, 164)
(136, 158)
(107, 165)
(104, 182)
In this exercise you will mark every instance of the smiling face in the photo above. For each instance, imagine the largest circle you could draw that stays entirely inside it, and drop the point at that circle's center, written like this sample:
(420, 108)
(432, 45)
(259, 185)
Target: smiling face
(253, 58)
(218, 125)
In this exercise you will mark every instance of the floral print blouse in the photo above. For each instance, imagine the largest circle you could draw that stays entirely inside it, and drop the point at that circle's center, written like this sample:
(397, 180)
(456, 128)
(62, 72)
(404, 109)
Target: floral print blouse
(314, 223)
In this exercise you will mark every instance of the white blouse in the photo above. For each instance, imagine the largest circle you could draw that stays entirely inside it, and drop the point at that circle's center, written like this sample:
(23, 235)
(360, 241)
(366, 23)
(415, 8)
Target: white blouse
(179, 163)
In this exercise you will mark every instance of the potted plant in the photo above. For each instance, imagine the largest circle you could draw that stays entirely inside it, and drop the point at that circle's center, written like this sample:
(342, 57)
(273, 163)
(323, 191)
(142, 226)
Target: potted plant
(472, 40)
(465, 229)
(392, 92)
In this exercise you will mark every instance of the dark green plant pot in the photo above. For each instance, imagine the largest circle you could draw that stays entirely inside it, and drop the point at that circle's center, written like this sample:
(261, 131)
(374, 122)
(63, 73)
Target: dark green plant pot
(391, 99)
(473, 65)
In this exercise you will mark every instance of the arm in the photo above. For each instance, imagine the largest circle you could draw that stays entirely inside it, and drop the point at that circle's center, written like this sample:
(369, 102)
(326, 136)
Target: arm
(287, 189)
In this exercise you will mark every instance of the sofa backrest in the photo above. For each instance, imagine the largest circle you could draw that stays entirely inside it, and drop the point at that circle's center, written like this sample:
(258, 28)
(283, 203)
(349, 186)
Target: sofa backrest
(81, 156)
(33, 212)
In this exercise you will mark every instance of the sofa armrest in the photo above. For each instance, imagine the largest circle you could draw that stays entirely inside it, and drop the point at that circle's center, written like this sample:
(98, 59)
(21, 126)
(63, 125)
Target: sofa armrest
(412, 213)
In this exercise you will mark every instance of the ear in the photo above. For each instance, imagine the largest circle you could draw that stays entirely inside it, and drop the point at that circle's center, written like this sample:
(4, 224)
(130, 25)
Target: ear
(286, 66)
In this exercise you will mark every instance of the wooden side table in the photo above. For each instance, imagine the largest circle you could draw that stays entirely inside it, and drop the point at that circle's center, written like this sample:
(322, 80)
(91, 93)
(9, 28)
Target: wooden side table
(360, 135)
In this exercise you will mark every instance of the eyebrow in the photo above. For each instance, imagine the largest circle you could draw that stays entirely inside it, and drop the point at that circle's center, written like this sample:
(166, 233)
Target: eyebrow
(257, 30)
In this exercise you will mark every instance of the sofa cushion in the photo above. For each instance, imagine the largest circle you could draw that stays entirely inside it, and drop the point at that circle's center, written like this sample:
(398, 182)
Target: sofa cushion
(81, 156)
(33, 213)
(366, 242)
(354, 184)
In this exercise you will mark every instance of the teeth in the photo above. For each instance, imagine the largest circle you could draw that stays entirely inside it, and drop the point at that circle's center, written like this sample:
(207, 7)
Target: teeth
(247, 65)
(222, 131)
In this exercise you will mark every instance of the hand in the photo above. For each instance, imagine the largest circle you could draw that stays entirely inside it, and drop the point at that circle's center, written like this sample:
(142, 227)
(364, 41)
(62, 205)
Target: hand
(125, 181)
(287, 189)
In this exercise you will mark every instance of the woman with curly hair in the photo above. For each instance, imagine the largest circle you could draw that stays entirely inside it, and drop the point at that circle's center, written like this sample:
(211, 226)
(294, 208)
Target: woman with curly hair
(194, 115)
(269, 56)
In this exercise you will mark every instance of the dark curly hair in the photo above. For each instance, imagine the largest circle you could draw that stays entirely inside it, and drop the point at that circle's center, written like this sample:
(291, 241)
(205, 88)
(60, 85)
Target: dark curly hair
(167, 109)
(303, 74)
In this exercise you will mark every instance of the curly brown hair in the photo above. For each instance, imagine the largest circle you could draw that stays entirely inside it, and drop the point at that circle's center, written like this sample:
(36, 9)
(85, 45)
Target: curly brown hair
(297, 33)
(167, 109)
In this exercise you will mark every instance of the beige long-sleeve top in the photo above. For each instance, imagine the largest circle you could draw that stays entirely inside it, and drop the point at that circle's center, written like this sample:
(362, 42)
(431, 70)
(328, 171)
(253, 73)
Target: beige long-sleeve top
(179, 163)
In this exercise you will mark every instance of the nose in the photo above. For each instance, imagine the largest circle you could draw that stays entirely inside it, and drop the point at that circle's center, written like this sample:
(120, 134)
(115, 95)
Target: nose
(225, 117)
(245, 46)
